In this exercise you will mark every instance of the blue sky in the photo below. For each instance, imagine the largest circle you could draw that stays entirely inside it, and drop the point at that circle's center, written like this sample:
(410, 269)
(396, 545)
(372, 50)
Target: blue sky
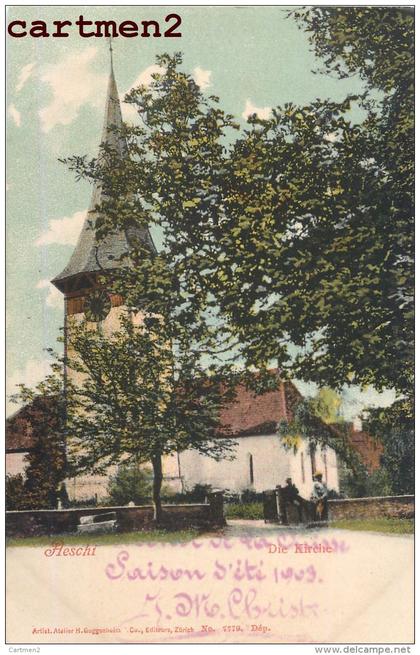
(253, 58)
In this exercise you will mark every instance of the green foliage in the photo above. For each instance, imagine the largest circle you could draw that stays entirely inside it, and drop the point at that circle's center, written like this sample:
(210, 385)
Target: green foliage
(145, 536)
(378, 44)
(252, 511)
(138, 399)
(173, 180)
(329, 199)
(361, 484)
(251, 496)
(306, 425)
(15, 492)
(378, 483)
(375, 42)
(332, 201)
(44, 409)
(394, 427)
(130, 484)
(294, 245)
(198, 494)
(310, 190)
(47, 462)
(327, 405)
(147, 392)
(388, 526)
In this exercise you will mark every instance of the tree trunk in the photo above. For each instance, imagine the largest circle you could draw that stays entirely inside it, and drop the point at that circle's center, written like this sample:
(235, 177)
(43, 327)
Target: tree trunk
(157, 485)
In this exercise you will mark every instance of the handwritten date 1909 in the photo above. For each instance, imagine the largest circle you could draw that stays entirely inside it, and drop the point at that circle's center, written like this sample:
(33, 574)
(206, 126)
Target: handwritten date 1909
(237, 570)
(238, 604)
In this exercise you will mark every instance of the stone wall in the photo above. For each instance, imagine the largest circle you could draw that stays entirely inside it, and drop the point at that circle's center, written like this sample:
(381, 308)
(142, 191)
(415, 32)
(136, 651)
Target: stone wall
(29, 523)
(371, 508)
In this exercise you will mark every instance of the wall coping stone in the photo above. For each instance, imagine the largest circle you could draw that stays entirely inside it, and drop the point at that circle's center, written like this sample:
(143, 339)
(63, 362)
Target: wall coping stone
(109, 508)
(369, 498)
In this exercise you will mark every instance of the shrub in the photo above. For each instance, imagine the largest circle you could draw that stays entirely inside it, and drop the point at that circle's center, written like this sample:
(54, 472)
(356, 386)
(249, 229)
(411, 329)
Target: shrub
(366, 484)
(251, 496)
(197, 494)
(15, 492)
(130, 484)
(230, 496)
(379, 483)
(251, 511)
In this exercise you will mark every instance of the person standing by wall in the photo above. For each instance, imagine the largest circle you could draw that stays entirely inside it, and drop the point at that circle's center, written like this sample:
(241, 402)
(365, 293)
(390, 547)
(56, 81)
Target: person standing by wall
(319, 497)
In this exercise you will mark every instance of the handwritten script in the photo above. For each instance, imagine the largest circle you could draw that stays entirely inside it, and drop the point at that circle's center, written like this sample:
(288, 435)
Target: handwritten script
(222, 585)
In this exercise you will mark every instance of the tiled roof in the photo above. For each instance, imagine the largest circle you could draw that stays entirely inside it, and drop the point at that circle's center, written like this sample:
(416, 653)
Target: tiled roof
(256, 414)
(364, 444)
(19, 435)
(369, 449)
(249, 414)
(24, 426)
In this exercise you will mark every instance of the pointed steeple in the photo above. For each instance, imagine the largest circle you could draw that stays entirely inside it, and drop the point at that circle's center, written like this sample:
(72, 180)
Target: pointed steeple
(92, 255)
(111, 133)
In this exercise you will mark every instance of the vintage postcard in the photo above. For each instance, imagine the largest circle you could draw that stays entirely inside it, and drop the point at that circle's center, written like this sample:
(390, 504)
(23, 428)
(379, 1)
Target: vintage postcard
(210, 376)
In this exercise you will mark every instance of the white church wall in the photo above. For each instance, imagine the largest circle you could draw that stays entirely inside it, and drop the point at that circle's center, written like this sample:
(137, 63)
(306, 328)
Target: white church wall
(171, 473)
(332, 480)
(301, 469)
(300, 472)
(270, 465)
(90, 487)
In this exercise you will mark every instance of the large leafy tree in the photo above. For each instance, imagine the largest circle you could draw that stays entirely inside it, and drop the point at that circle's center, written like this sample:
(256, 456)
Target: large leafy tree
(318, 238)
(294, 244)
(147, 393)
(127, 398)
(133, 399)
(172, 182)
(297, 240)
(377, 43)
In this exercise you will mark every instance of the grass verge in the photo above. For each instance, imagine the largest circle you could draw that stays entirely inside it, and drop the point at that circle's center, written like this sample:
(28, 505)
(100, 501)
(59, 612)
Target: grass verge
(243, 511)
(393, 526)
(161, 536)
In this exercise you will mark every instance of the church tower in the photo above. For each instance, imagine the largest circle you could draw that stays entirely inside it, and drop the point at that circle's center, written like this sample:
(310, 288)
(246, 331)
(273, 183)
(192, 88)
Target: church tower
(79, 281)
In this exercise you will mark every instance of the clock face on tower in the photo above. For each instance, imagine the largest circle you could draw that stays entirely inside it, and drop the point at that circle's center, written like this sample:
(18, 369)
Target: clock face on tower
(97, 306)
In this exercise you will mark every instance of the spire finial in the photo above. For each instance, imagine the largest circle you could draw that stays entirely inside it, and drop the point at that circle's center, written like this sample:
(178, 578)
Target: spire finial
(110, 53)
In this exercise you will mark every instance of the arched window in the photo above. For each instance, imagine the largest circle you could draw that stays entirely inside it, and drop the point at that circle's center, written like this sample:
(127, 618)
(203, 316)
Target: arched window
(324, 459)
(251, 468)
(312, 449)
(302, 466)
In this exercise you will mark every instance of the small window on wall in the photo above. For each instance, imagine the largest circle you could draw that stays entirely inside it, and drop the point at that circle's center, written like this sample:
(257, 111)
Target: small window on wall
(251, 468)
(302, 466)
(312, 449)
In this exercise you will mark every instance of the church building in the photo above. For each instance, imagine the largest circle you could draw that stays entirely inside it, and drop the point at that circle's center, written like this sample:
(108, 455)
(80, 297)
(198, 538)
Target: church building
(260, 461)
